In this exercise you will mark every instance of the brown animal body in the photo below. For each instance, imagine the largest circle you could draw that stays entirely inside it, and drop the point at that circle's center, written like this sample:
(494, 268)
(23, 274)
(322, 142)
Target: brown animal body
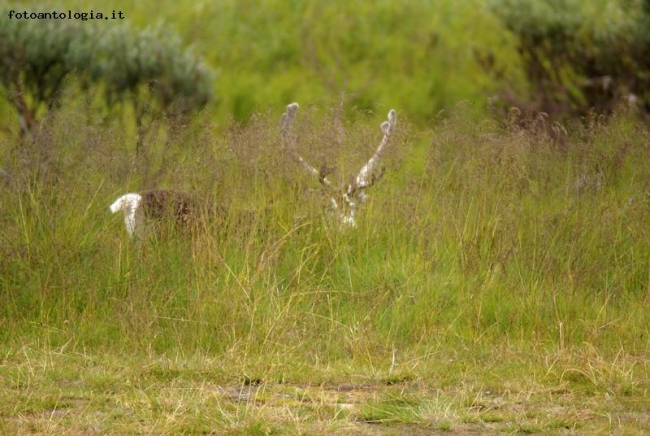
(162, 208)
(169, 203)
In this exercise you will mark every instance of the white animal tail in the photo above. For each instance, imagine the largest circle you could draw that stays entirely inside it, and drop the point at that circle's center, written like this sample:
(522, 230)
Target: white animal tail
(129, 204)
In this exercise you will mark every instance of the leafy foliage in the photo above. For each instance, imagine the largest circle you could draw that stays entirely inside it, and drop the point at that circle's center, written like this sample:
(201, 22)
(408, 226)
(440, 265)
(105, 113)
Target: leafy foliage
(154, 57)
(150, 68)
(580, 55)
(556, 56)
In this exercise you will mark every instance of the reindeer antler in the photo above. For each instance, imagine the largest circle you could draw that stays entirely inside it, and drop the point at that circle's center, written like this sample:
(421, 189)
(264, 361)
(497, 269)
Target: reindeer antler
(355, 190)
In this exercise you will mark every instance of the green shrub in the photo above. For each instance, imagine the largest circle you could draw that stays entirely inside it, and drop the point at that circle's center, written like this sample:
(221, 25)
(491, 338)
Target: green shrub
(579, 55)
(149, 68)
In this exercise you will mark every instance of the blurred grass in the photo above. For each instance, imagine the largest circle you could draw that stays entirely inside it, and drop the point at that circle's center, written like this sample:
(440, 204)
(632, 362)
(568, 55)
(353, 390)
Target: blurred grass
(421, 57)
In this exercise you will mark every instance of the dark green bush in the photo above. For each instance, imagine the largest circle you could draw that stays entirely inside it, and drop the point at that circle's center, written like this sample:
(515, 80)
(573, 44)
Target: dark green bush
(149, 68)
(580, 56)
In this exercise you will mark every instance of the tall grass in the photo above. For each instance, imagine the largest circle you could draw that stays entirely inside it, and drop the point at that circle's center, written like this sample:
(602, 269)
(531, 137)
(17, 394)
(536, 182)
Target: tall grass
(480, 234)
(497, 267)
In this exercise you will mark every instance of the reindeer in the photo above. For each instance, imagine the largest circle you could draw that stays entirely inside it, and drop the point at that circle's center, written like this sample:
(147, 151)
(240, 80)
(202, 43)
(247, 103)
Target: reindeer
(344, 202)
(182, 208)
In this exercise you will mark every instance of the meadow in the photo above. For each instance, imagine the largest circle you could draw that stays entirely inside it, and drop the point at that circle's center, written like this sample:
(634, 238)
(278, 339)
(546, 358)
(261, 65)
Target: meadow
(497, 280)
